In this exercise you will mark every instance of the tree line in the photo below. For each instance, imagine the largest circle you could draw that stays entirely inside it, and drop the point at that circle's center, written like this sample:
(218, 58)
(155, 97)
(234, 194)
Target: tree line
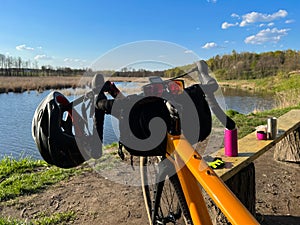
(130, 72)
(244, 65)
(248, 65)
(16, 66)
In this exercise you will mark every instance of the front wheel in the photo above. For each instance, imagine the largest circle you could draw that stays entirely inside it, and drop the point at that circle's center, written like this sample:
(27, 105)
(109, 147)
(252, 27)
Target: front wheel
(163, 195)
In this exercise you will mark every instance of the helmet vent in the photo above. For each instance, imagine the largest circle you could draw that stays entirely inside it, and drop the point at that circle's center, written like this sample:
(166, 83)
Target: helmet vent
(44, 123)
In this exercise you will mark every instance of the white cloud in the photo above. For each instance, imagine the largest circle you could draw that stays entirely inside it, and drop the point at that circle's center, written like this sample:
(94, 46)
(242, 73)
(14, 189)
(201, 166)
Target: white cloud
(268, 35)
(289, 21)
(255, 17)
(210, 45)
(73, 60)
(68, 60)
(213, 1)
(268, 25)
(24, 47)
(226, 25)
(43, 57)
(234, 15)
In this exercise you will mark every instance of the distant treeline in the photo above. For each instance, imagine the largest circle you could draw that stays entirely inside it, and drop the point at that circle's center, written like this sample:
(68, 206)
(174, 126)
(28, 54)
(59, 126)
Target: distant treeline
(146, 73)
(244, 65)
(15, 66)
(136, 73)
(248, 65)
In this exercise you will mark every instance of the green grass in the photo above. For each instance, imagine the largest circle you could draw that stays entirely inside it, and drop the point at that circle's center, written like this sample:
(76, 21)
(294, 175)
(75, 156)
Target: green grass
(271, 84)
(278, 83)
(112, 145)
(56, 218)
(247, 123)
(28, 176)
(283, 83)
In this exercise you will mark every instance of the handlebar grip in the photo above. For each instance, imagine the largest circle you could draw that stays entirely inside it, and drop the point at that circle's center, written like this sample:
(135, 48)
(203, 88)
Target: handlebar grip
(97, 82)
(210, 85)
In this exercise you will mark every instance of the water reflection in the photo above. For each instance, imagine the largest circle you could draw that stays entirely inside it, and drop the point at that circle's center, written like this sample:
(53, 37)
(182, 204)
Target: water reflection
(16, 112)
(245, 101)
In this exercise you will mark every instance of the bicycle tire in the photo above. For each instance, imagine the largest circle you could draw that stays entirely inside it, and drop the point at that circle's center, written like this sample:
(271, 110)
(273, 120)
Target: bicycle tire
(164, 199)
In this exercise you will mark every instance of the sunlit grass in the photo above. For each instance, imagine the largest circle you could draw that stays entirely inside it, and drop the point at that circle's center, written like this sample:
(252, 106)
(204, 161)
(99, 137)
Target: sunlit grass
(271, 84)
(27, 176)
(247, 123)
(42, 219)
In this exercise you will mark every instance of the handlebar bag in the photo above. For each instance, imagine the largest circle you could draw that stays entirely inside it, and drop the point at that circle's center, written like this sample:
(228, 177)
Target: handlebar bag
(143, 124)
(145, 121)
(195, 114)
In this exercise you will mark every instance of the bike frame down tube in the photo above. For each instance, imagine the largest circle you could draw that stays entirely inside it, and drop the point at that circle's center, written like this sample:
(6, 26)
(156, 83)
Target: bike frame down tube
(191, 169)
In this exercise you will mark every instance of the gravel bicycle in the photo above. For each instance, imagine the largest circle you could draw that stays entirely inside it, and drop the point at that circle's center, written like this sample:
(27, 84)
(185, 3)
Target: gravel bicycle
(159, 127)
(170, 183)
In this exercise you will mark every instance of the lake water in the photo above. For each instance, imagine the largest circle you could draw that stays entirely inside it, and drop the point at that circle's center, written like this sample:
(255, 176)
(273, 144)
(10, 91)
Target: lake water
(16, 112)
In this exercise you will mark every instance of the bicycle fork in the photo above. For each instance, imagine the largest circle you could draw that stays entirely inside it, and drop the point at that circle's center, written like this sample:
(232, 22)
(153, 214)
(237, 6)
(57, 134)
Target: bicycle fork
(191, 169)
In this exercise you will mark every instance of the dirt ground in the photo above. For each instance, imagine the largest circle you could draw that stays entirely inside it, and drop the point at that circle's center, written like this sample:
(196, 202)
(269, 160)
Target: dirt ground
(98, 200)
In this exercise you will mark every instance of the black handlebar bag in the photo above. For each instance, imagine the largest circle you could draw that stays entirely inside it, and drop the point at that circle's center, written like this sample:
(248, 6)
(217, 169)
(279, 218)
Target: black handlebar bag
(143, 124)
(195, 114)
(145, 121)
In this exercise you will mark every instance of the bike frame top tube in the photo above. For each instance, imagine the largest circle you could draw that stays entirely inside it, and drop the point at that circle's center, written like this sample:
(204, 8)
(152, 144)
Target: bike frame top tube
(191, 167)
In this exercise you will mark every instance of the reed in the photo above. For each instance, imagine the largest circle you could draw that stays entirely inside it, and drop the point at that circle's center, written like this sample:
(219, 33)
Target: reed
(287, 98)
(22, 84)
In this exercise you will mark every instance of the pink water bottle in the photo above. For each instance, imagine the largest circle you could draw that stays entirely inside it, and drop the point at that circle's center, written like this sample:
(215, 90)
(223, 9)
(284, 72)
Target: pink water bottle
(230, 142)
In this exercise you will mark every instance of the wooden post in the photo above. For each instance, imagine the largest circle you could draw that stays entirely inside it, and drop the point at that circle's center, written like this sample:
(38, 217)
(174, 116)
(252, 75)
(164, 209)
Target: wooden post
(242, 185)
(288, 149)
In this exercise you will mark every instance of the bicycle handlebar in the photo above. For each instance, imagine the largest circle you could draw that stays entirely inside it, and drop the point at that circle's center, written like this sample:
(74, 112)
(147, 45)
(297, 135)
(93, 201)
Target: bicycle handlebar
(208, 84)
(209, 87)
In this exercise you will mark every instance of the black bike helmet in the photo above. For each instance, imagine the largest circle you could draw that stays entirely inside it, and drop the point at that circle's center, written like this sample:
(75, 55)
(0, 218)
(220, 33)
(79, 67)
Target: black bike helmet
(52, 127)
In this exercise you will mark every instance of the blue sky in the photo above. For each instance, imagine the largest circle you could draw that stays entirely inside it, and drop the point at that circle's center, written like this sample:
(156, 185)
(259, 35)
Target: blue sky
(76, 33)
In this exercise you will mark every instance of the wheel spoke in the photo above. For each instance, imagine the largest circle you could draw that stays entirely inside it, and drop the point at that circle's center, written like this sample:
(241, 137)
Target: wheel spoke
(162, 199)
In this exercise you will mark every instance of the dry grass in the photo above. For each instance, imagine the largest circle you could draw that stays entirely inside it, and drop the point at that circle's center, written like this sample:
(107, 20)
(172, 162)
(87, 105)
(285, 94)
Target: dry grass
(21, 84)
(287, 98)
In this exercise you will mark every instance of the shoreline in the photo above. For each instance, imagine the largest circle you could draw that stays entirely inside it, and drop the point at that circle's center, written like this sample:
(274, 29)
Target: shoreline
(40, 84)
(23, 84)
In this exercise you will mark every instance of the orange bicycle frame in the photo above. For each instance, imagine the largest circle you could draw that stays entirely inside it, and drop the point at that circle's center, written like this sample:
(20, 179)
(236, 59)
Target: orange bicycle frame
(191, 169)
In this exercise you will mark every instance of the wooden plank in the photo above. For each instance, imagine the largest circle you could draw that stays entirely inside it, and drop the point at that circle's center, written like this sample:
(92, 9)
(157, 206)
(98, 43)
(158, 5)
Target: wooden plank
(250, 148)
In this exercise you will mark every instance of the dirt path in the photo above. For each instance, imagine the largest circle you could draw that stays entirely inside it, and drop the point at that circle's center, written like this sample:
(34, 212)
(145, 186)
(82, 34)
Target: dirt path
(277, 191)
(97, 200)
